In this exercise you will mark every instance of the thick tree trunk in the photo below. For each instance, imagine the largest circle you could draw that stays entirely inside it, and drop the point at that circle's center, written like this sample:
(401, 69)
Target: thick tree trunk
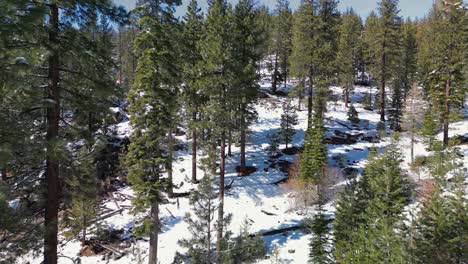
(446, 113)
(242, 150)
(194, 149)
(310, 93)
(219, 237)
(153, 248)
(52, 164)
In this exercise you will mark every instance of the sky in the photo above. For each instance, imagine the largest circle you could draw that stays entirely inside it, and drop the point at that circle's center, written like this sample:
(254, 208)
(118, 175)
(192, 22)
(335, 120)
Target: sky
(409, 8)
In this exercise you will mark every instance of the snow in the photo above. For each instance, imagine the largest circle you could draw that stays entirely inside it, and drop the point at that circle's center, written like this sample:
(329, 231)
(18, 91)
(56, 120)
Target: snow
(251, 194)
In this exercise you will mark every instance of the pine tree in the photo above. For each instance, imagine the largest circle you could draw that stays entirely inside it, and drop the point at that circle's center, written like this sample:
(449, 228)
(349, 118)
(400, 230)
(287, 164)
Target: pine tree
(288, 121)
(282, 37)
(314, 157)
(348, 51)
(192, 33)
(247, 248)
(151, 107)
(63, 53)
(246, 55)
(327, 45)
(303, 60)
(383, 46)
(320, 242)
(217, 52)
(404, 73)
(447, 84)
(84, 194)
(201, 223)
(353, 114)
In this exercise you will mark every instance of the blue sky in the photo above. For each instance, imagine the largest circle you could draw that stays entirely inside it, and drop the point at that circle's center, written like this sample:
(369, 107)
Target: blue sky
(409, 8)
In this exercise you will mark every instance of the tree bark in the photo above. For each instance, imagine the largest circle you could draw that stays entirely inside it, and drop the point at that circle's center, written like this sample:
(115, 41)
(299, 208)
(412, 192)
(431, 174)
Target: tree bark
(275, 77)
(242, 150)
(310, 93)
(446, 112)
(346, 96)
(221, 198)
(153, 248)
(4, 174)
(52, 164)
(83, 235)
(382, 83)
(170, 155)
(229, 142)
(194, 149)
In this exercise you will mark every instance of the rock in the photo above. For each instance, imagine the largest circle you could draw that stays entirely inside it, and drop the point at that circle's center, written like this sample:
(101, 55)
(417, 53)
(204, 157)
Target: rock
(265, 169)
(87, 251)
(291, 251)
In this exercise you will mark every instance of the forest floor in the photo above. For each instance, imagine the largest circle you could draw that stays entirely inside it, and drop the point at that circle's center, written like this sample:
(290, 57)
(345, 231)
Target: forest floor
(254, 198)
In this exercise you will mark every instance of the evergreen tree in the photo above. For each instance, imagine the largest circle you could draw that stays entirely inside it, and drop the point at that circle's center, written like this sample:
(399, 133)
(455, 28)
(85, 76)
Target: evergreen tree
(247, 248)
(429, 128)
(151, 106)
(447, 86)
(320, 242)
(201, 223)
(288, 121)
(282, 37)
(217, 51)
(192, 34)
(348, 51)
(384, 45)
(314, 157)
(327, 45)
(246, 54)
(73, 74)
(353, 115)
(303, 57)
(84, 194)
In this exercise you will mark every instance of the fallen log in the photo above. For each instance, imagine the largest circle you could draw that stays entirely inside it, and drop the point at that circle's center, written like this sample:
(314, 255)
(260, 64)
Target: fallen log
(113, 250)
(267, 213)
(106, 216)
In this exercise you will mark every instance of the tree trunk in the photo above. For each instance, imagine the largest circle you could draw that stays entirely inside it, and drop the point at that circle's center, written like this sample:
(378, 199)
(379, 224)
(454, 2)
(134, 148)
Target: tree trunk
(4, 174)
(382, 83)
(170, 155)
(412, 144)
(208, 235)
(446, 112)
(153, 248)
(310, 93)
(242, 150)
(346, 96)
(275, 77)
(221, 198)
(194, 149)
(83, 235)
(52, 164)
(229, 142)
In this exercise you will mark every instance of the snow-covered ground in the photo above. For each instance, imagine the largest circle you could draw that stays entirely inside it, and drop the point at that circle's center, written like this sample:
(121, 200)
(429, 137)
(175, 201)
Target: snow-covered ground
(251, 194)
